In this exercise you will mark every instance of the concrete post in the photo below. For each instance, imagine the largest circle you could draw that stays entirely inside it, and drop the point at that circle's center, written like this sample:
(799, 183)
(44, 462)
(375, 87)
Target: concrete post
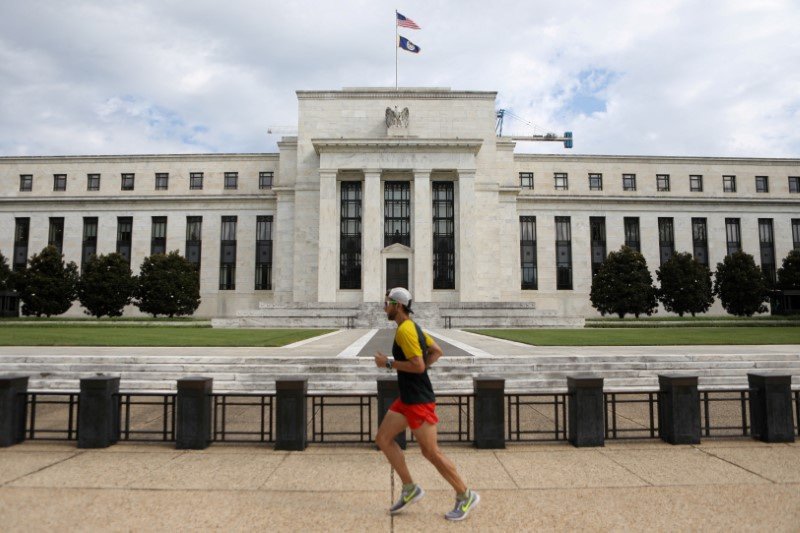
(193, 431)
(388, 392)
(771, 407)
(489, 421)
(291, 423)
(586, 411)
(13, 409)
(98, 412)
(679, 409)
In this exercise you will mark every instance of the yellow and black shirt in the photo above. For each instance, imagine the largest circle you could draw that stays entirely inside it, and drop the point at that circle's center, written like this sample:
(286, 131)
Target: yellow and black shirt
(414, 388)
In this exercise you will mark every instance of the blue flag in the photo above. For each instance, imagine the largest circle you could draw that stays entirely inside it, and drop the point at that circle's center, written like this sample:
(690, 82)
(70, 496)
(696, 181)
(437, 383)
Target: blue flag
(408, 46)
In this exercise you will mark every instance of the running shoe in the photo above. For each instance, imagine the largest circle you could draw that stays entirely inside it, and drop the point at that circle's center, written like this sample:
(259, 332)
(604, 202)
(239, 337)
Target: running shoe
(407, 498)
(463, 507)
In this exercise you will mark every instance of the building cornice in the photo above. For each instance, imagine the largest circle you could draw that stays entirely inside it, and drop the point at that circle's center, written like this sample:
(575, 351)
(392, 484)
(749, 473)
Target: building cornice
(405, 93)
(567, 158)
(138, 157)
(84, 202)
(400, 144)
(663, 200)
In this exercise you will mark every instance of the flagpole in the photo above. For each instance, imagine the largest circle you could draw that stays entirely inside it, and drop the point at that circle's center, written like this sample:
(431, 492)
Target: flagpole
(395, 49)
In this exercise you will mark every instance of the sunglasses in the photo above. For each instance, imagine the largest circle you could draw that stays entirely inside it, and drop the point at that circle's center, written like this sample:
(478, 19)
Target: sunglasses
(390, 302)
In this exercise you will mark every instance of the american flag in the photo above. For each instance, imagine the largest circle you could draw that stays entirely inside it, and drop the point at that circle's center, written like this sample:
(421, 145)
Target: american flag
(406, 22)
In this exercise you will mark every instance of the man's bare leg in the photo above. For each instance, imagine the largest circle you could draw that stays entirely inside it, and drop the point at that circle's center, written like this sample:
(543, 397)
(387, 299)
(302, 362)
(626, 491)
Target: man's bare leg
(427, 438)
(393, 423)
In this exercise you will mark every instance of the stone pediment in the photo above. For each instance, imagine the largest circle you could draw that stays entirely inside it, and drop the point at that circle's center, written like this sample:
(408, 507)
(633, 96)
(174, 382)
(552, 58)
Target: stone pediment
(397, 248)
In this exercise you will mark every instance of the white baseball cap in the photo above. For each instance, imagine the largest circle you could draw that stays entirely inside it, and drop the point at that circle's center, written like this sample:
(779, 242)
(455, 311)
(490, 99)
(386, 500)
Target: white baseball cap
(401, 295)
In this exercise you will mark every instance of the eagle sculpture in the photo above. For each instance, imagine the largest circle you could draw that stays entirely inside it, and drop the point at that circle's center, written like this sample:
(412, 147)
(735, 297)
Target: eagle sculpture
(395, 119)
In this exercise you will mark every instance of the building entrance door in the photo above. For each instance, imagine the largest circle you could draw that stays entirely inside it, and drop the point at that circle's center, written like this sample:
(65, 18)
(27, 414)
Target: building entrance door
(396, 273)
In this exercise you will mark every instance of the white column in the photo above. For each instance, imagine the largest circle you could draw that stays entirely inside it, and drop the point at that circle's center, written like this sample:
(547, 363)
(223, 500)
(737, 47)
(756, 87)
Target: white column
(372, 237)
(328, 272)
(283, 246)
(422, 237)
(466, 257)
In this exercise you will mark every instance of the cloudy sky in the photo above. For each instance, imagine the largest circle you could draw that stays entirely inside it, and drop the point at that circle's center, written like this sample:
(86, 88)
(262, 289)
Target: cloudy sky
(652, 77)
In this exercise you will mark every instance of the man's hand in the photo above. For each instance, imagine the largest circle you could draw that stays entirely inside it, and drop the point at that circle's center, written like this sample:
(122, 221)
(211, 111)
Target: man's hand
(380, 360)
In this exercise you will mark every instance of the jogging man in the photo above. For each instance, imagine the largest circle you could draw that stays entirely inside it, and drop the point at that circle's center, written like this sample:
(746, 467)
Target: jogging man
(413, 352)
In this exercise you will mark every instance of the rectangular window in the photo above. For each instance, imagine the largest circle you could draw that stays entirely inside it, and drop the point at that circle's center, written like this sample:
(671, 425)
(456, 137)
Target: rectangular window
(89, 243)
(265, 180)
(397, 213)
(666, 238)
(794, 183)
(562, 181)
(733, 235)
(796, 233)
(162, 181)
(195, 181)
(158, 236)
(194, 240)
(662, 182)
(93, 182)
(263, 253)
(26, 182)
(55, 234)
(22, 228)
(127, 182)
(762, 183)
(629, 182)
(59, 182)
(227, 255)
(231, 180)
(700, 240)
(595, 182)
(766, 239)
(526, 180)
(444, 242)
(696, 183)
(597, 235)
(729, 183)
(527, 253)
(350, 236)
(125, 237)
(563, 254)
(632, 233)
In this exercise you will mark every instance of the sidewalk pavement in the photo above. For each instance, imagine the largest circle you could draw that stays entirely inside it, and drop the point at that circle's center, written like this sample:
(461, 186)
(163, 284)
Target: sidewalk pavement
(722, 485)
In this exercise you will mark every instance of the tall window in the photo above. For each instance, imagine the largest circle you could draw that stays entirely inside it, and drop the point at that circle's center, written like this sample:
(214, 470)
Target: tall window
(59, 182)
(597, 234)
(563, 254)
(562, 181)
(227, 255)
(762, 183)
(231, 180)
(595, 182)
(397, 213)
(766, 239)
(662, 182)
(195, 181)
(89, 243)
(350, 236)
(666, 238)
(22, 228)
(265, 180)
(632, 233)
(125, 237)
(194, 240)
(794, 183)
(93, 182)
(127, 182)
(700, 240)
(629, 182)
(729, 183)
(162, 181)
(444, 243)
(25, 182)
(55, 234)
(696, 183)
(526, 180)
(796, 233)
(263, 253)
(158, 236)
(733, 235)
(527, 253)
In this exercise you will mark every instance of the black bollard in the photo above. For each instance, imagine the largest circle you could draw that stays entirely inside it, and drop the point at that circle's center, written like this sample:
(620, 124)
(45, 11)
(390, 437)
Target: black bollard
(489, 421)
(98, 412)
(388, 392)
(679, 409)
(193, 431)
(13, 409)
(291, 423)
(586, 411)
(771, 407)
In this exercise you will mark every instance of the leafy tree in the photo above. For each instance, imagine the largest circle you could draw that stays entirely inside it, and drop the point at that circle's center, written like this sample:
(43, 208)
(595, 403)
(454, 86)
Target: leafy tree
(168, 285)
(789, 273)
(624, 285)
(6, 276)
(741, 285)
(686, 285)
(106, 285)
(48, 285)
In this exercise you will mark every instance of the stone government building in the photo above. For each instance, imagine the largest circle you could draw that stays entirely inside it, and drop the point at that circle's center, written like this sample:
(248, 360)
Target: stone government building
(384, 187)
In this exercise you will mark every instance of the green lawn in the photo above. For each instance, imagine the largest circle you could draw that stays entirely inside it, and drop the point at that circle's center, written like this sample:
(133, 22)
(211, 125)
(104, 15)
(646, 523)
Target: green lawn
(54, 334)
(649, 336)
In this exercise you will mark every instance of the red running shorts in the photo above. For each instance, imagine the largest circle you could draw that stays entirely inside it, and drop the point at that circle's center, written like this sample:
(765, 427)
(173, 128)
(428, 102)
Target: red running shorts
(417, 413)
